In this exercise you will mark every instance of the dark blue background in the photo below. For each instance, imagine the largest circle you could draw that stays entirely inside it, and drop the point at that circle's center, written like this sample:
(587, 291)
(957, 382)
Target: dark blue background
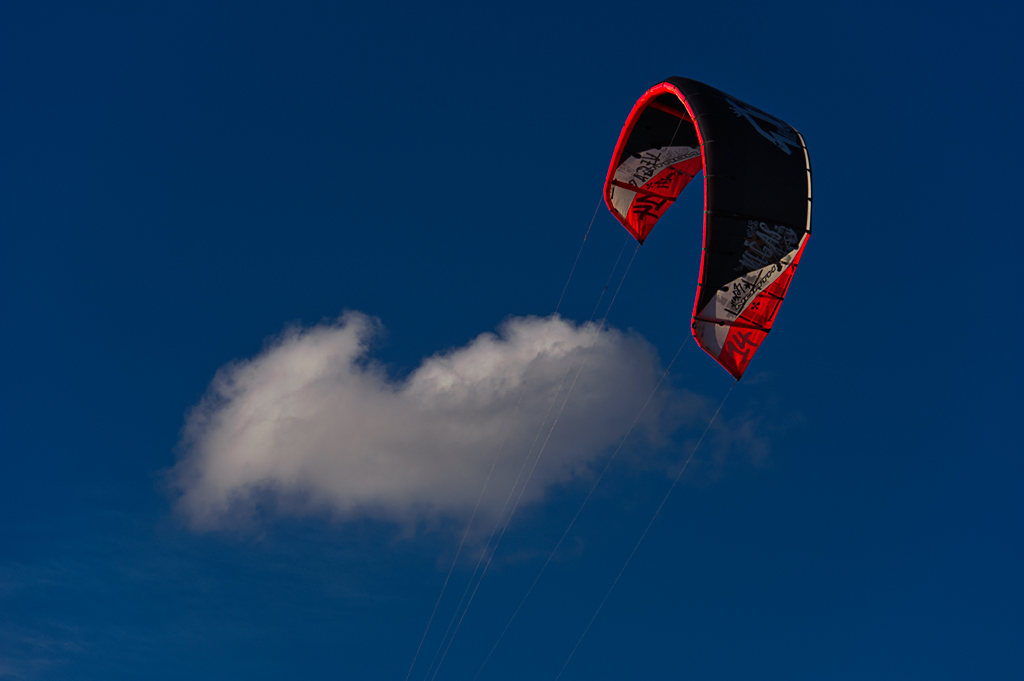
(182, 180)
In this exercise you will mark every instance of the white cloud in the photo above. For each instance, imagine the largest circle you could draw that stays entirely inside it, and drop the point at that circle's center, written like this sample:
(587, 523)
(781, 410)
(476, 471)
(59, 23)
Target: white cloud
(313, 424)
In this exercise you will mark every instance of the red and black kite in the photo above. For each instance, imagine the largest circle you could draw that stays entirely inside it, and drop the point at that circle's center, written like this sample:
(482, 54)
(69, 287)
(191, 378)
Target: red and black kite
(757, 203)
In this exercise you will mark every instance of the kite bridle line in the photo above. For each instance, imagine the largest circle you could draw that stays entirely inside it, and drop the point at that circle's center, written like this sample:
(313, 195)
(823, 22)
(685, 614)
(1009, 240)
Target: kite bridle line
(647, 529)
(497, 456)
(593, 341)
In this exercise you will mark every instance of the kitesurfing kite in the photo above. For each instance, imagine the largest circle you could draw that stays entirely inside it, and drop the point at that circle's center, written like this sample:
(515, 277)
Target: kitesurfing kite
(757, 203)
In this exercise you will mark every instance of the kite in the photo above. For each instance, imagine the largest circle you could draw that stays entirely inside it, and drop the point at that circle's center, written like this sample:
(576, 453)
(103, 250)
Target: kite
(757, 203)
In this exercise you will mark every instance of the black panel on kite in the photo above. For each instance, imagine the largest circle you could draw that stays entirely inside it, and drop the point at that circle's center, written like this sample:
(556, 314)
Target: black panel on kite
(757, 203)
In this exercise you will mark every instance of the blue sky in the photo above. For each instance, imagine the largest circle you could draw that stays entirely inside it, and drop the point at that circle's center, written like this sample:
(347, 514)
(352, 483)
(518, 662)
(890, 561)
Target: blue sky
(183, 183)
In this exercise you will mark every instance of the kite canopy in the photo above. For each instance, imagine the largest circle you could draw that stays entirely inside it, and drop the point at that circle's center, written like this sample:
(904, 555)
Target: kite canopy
(757, 203)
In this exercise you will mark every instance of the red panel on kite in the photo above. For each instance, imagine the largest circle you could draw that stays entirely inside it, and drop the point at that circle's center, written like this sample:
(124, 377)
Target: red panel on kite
(645, 204)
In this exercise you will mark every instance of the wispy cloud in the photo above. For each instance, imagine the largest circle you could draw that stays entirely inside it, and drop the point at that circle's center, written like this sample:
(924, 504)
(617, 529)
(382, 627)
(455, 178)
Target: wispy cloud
(30, 652)
(313, 424)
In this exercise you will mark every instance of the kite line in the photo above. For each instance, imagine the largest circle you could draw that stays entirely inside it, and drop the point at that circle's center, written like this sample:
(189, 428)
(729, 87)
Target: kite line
(537, 460)
(504, 439)
(522, 490)
(582, 505)
(647, 529)
(522, 468)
